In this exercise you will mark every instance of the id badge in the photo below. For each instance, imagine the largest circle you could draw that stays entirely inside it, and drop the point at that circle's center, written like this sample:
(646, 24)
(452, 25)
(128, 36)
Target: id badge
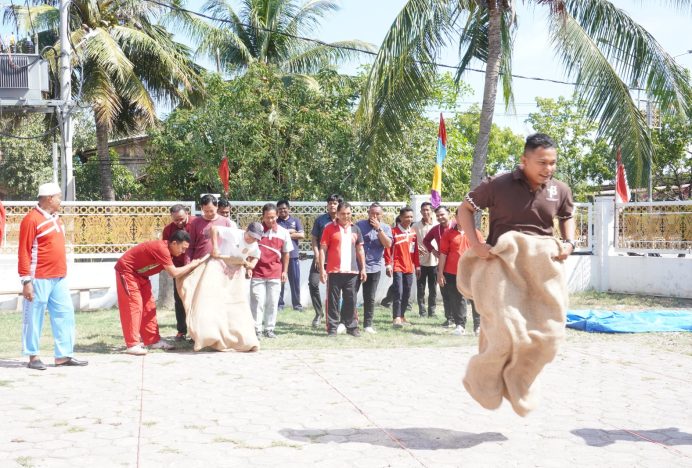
(412, 247)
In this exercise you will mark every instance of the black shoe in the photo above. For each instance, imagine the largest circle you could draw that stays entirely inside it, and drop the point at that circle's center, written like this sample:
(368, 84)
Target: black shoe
(36, 364)
(386, 304)
(270, 334)
(447, 323)
(409, 308)
(180, 337)
(354, 332)
(72, 362)
(316, 321)
(432, 315)
(298, 309)
(331, 334)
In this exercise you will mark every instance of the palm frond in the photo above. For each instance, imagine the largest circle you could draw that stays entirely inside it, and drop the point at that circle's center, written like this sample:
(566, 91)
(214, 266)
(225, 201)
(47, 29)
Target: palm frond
(606, 96)
(319, 56)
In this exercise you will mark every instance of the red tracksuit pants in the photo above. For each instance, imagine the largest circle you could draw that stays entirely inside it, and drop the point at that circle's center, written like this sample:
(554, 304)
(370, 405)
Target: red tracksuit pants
(137, 309)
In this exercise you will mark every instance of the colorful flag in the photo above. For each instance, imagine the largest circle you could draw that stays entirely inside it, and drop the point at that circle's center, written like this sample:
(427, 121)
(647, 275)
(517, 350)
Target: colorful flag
(436, 193)
(224, 174)
(622, 190)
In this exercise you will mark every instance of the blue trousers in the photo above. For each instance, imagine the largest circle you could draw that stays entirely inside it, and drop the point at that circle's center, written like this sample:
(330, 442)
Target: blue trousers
(294, 282)
(52, 294)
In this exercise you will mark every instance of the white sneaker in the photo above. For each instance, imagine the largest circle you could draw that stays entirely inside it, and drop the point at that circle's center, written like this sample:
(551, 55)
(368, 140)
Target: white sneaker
(136, 350)
(370, 330)
(161, 344)
(341, 329)
(459, 331)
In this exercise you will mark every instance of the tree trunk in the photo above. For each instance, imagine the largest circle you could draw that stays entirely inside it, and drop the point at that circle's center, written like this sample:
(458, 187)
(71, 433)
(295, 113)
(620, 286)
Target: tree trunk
(107, 192)
(492, 73)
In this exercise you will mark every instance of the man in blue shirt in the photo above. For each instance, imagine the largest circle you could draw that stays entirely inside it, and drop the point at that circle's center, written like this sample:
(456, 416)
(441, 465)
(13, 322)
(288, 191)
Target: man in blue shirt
(295, 229)
(316, 236)
(377, 236)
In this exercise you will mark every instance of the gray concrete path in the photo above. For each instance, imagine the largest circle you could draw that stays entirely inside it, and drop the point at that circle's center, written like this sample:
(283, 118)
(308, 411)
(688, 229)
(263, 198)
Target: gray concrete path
(610, 404)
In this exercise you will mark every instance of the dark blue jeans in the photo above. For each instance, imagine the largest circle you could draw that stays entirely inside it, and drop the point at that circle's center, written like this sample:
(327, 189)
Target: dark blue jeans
(293, 282)
(402, 284)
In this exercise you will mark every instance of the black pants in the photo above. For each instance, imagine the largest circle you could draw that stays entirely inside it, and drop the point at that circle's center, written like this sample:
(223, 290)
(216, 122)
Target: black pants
(314, 287)
(369, 291)
(341, 286)
(455, 304)
(402, 284)
(180, 320)
(294, 283)
(428, 274)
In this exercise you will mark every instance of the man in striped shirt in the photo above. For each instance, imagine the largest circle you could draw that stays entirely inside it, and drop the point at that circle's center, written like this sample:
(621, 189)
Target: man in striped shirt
(42, 266)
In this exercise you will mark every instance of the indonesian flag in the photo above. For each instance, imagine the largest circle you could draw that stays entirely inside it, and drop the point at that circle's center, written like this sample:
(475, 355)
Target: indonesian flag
(224, 174)
(622, 190)
(436, 192)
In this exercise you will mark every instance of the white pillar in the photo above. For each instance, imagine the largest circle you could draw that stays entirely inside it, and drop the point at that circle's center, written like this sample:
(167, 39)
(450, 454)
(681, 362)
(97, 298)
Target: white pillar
(416, 201)
(604, 241)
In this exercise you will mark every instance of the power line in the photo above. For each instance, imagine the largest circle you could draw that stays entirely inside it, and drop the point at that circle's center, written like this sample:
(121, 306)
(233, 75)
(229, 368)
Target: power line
(341, 47)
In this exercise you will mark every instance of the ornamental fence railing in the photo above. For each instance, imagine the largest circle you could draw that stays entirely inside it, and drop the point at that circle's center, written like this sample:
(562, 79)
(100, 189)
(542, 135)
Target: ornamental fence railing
(107, 229)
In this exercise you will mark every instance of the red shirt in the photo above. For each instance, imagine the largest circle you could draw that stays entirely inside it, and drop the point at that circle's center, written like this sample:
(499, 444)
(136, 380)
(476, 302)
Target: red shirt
(200, 240)
(42, 246)
(453, 244)
(145, 259)
(341, 252)
(168, 231)
(403, 255)
(273, 244)
(2, 222)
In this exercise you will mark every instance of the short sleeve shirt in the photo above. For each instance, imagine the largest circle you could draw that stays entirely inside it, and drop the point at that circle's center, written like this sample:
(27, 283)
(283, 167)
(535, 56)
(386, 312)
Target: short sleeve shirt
(514, 207)
(374, 250)
(320, 223)
(453, 244)
(232, 243)
(273, 244)
(200, 241)
(340, 243)
(422, 230)
(168, 231)
(292, 223)
(145, 259)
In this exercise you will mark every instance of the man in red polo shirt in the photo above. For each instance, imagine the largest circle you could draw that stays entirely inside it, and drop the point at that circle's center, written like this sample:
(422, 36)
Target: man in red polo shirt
(180, 221)
(3, 219)
(135, 301)
(402, 262)
(453, 244)
(270, 272)
(342, 248)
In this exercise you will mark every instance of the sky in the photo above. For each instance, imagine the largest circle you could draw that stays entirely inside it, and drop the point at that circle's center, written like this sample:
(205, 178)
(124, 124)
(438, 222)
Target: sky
(369, 20)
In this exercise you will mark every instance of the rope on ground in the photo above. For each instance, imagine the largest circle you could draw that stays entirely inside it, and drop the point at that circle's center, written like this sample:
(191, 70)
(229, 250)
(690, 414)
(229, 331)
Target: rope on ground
(389, 435)
(141, 411)
(647, 439)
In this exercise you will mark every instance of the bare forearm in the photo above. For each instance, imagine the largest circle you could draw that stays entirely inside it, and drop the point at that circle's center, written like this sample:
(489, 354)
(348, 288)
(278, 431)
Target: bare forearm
(467, 222)
(567, 229)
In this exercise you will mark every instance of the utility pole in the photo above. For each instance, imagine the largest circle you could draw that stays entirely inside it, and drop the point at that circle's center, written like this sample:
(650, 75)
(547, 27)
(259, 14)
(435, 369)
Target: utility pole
(66, 129)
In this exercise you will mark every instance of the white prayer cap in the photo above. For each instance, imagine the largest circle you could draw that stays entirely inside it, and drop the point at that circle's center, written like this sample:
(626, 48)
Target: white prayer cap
(49, 189)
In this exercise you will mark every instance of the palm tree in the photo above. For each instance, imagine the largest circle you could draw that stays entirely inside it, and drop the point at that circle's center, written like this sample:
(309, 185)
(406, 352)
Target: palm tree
(603, 50)
(124, 63)
(269, 31)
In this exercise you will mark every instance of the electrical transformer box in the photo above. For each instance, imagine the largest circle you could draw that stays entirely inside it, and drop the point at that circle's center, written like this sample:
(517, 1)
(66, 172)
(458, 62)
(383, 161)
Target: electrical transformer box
(23, 76)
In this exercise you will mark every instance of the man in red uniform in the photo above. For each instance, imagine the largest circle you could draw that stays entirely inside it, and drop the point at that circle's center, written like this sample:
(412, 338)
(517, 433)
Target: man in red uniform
(452, 246)
(432, 245)
(402, 261)
(342, 264)
(42, 267)
(135, 301)
(180, 221)
(3, 220)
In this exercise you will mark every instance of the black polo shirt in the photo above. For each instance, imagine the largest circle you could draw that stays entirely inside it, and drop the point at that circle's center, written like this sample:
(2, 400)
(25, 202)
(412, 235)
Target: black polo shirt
(514, 207)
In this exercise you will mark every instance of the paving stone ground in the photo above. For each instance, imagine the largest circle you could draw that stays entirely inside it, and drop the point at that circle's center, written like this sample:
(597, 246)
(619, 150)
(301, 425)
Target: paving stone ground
(606, 404)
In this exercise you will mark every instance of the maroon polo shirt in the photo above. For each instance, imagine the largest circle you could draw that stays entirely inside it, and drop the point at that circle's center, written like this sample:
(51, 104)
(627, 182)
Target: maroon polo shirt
(171, 229)
(514, 207)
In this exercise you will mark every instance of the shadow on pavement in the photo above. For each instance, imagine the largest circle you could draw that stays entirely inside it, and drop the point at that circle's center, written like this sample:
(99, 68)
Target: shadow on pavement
(415, 438)
(12, 363)
(601, 437)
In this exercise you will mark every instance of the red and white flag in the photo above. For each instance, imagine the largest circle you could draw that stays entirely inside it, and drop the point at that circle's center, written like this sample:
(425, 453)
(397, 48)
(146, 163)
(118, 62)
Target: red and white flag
(224, 174)
(622, 190)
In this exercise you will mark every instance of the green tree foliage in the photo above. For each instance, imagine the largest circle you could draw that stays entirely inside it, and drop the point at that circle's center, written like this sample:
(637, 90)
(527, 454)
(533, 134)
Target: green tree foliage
(24, 163)
(584, 161)
(672, 167)
(87, 180)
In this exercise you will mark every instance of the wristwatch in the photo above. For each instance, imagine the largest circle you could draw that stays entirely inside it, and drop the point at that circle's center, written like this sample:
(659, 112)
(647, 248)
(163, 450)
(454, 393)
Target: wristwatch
(570, 242)
(26, 281)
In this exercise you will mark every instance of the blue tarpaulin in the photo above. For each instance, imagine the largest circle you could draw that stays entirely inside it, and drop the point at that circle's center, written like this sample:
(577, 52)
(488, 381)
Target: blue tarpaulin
(641, 321)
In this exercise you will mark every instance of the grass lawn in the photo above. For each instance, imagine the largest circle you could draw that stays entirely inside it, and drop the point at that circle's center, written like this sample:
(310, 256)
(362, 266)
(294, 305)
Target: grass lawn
(99, 331)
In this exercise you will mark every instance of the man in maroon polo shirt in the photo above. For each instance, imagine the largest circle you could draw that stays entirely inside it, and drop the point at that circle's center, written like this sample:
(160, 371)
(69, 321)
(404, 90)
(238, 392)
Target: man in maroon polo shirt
(179, 222)
(200, 239)
(526, 200)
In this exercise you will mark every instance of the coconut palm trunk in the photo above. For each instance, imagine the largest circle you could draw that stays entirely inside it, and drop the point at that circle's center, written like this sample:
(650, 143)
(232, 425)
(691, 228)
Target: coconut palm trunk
(107, 192)
(492, 74)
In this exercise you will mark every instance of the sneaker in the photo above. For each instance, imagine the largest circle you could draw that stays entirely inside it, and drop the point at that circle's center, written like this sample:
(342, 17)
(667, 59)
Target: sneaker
(370, 330)
(316, 321)
(136, 350)
(161, 344)
(270, 334)
(397, 323)
(354, 332)
(446, 323)
(341, 329)
(459, 331)
(299, 309)
(180, 337)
